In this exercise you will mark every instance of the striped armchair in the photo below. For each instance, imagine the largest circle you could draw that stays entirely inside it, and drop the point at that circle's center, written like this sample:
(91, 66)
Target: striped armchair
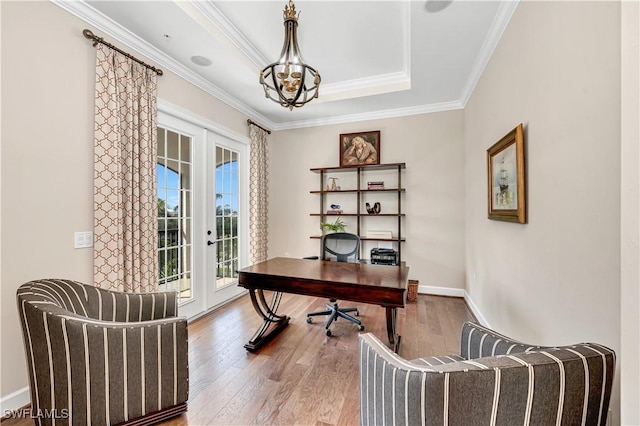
(101, 357)
(494, 381)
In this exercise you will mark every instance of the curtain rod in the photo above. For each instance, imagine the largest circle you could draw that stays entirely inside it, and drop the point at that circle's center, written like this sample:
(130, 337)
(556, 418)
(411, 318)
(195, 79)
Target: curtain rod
(88, 34)
(249, 121)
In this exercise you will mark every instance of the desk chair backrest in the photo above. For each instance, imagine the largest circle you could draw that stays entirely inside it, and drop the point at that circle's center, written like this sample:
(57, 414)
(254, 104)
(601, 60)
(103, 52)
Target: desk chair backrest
(341, 246)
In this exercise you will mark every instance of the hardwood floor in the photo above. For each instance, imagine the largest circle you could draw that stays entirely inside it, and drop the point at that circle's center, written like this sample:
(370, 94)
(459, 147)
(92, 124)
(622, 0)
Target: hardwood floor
(302, 377)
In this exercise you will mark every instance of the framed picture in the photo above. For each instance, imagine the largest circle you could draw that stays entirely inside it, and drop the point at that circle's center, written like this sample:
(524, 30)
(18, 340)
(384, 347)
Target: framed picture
(362, 148)
(506, 178)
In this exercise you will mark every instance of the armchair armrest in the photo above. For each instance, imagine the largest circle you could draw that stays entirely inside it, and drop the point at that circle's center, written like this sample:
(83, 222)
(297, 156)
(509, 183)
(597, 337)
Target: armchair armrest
(111, 305)
(478, 341)
(563, 385)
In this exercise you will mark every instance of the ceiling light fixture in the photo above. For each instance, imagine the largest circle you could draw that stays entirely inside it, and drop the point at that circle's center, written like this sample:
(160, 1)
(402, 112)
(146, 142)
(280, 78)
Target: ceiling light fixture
(289, 81)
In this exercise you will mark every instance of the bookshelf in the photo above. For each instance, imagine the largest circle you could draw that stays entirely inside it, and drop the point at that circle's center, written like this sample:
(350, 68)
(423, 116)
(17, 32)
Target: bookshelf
(359, 190)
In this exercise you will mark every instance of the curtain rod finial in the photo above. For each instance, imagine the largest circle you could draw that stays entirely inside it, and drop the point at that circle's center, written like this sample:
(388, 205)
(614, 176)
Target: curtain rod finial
(250, 121)
(88, 34)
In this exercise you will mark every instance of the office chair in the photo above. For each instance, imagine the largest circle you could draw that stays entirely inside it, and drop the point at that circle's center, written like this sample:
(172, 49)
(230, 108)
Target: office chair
(341, 247)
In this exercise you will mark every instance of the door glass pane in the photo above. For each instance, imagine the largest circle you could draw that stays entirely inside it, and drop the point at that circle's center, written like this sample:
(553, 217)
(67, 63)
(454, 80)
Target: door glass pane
(174, 212)
(227, 203)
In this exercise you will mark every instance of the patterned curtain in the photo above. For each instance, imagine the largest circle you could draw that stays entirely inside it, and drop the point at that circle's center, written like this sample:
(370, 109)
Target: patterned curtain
(258, 195)
(125, 201)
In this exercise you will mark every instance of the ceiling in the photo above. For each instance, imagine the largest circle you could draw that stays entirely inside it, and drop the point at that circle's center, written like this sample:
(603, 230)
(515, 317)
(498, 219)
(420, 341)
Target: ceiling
(377, 59)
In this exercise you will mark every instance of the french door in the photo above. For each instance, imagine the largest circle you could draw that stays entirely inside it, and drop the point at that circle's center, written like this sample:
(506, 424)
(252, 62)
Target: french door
(202, 220)
(227, 218)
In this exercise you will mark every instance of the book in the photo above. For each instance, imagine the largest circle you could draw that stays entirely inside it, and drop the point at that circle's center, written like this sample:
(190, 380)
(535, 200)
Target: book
(375, 186)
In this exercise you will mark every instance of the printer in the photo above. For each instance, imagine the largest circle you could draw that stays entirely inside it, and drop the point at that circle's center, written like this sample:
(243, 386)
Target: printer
(384, 256)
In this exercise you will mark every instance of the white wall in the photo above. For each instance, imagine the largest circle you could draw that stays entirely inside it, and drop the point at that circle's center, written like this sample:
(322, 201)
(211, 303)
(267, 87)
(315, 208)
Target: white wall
(429, 144)
(48, 72)
(630, 231)
(556, 279)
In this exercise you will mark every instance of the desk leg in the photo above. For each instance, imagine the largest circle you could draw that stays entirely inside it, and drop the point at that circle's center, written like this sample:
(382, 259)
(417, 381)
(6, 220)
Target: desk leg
(272, 323)
(394, 338)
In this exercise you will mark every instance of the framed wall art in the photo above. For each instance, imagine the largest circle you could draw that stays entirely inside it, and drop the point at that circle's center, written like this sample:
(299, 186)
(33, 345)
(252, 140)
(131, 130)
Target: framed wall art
(506, 178)
(358, 149)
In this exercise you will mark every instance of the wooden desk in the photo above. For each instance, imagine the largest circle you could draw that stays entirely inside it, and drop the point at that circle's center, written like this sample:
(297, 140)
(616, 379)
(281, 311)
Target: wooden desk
(358, 282)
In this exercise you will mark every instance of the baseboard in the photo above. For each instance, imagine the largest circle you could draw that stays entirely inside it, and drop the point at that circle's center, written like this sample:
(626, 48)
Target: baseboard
(441, 291)
(475, 311)
(14, 401)
(455, 292)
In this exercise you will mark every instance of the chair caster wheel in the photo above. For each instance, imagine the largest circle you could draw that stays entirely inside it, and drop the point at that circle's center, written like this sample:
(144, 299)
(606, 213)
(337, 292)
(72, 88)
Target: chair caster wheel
(328, 333)
(309, 320)
(361, 328)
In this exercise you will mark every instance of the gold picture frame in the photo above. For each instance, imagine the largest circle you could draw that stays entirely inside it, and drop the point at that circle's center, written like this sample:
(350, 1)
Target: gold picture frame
(360, 149)
(506, 178)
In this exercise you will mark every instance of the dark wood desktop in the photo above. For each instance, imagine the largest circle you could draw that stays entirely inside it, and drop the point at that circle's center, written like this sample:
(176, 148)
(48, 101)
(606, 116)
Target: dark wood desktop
(357, 282)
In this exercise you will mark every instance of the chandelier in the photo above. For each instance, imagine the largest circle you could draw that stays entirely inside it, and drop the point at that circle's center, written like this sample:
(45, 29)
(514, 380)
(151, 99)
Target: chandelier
(289, 81)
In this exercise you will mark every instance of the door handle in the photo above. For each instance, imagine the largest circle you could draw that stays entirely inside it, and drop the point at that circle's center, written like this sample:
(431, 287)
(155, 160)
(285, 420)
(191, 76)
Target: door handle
(210, 243)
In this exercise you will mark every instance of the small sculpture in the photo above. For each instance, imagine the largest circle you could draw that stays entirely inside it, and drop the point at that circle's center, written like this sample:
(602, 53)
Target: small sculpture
(375, 209)
(332, 186)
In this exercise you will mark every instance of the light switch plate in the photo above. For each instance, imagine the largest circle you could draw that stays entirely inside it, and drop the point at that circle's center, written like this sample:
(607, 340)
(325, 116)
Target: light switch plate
(83, 239)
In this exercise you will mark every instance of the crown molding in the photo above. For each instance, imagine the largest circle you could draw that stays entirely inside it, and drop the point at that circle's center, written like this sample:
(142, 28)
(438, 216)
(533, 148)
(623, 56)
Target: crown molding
(216, 22)
(384, 83)
(375, 85)
(373, 115)
(82, 10)
(498, 26)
